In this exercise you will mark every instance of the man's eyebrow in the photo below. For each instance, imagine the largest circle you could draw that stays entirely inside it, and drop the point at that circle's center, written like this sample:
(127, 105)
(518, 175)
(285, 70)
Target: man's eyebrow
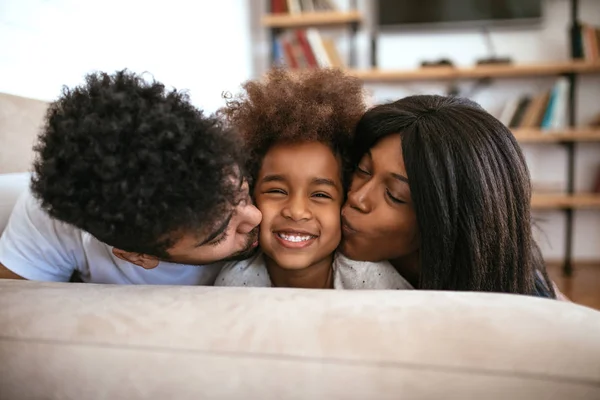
(400, 177)
(217, 232)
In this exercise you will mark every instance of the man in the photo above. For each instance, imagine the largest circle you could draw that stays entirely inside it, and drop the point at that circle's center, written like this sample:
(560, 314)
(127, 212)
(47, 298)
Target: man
(131, 185)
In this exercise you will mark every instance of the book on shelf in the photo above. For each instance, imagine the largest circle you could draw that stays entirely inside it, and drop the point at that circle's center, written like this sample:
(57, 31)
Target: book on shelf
(587, 42)
(301, 6)
(596, 188)
(305, 48)
(547, 110)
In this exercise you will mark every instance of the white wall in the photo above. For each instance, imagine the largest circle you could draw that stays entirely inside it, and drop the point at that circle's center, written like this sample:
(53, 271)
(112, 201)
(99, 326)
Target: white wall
(202, 46)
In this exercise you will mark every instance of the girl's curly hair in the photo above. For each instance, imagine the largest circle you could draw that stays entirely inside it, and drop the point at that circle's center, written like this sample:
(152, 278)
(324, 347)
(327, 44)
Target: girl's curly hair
(322, 105)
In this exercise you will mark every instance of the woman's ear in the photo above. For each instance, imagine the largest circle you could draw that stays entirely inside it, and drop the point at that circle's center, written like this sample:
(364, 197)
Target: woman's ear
(142, 260)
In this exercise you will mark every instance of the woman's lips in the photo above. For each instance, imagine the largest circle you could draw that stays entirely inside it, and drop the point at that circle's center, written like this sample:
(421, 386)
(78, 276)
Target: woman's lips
(347, 227)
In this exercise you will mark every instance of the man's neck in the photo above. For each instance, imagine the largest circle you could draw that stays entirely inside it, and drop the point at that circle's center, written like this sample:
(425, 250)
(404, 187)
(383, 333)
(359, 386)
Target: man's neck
(408, 267)
(316, 276)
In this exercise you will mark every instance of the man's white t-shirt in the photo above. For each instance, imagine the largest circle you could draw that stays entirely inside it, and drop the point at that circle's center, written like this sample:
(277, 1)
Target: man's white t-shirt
(38, 247)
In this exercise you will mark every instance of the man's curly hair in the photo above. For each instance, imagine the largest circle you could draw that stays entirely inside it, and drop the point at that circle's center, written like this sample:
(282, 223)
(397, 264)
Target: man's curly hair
(286, 106)
(134, 164)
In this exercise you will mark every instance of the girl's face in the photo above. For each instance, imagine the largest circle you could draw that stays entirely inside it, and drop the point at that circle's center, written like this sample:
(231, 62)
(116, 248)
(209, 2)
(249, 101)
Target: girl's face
(299, 192)
(378, 219)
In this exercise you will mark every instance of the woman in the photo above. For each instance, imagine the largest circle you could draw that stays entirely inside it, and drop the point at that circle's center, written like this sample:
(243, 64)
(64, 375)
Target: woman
(441, 189)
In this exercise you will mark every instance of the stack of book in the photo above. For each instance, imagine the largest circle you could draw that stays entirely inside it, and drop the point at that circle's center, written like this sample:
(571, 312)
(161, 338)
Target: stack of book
(300, 6)
(587, 43)
(547, 110)
(306, 48)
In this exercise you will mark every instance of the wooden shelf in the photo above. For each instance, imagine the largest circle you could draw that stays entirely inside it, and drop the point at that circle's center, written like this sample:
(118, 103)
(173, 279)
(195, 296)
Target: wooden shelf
(486, 71)
(554, 201)
(569, 135)
(304, 20)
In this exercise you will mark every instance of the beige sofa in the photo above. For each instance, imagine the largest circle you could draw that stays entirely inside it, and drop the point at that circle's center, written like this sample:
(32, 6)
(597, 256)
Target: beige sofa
(20, 121)
(84, 341)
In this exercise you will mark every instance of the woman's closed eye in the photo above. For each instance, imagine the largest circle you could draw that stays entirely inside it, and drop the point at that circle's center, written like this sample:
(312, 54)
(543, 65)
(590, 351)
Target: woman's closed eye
(363, 170)
(393, 198)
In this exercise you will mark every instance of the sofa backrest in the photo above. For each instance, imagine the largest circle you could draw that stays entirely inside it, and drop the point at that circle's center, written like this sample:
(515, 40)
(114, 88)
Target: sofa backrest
(20, 122)
(11, 187)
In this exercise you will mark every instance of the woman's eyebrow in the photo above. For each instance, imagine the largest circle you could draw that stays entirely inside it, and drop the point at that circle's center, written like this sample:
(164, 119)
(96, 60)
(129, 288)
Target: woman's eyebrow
(400, 177)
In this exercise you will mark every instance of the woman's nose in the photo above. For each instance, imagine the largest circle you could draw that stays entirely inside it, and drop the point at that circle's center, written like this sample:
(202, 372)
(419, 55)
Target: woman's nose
(358, 198)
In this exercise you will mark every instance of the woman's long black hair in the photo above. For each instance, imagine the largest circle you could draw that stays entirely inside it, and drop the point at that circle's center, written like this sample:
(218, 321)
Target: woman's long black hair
(471, 192)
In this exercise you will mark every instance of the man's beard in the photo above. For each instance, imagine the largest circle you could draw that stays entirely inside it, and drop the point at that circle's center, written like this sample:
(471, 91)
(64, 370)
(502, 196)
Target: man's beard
(248, 250)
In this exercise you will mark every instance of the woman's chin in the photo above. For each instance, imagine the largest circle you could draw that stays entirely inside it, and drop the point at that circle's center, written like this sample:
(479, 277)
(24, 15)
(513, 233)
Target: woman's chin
(357, 251)
(352, 252)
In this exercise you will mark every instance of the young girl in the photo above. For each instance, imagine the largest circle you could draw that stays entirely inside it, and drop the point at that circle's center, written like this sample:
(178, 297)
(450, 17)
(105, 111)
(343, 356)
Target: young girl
(297, 128)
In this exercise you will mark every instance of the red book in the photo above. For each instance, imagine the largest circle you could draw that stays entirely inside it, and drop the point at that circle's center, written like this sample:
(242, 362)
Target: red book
(306, 49)
(278, 6)
(288, 51)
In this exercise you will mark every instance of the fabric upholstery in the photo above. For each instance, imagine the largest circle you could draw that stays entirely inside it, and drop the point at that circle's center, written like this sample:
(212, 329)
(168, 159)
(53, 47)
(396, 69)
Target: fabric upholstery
(84, 341)
(20, 121)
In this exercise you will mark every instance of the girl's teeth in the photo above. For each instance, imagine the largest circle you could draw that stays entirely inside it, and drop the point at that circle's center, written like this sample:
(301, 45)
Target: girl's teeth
(294, 238)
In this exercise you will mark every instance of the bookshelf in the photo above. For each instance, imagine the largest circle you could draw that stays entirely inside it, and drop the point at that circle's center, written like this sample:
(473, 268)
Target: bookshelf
(565, 201)
(278, 19)
(311, 19)
(568, 137)
(488, 71)
(561, 136)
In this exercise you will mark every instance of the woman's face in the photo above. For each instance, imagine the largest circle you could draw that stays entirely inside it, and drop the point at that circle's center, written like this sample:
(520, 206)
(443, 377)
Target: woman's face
(378, 219)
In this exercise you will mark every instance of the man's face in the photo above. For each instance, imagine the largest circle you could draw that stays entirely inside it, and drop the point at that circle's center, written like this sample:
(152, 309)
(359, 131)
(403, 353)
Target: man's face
(234, 238)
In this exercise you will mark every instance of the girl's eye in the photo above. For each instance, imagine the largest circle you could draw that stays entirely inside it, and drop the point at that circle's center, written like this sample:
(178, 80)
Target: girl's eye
(392, 198)
(322, 195)
(275, 191)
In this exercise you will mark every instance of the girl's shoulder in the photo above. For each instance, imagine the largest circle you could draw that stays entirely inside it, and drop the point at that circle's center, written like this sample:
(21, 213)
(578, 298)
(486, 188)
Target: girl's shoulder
(353, 275)
(251, 272)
